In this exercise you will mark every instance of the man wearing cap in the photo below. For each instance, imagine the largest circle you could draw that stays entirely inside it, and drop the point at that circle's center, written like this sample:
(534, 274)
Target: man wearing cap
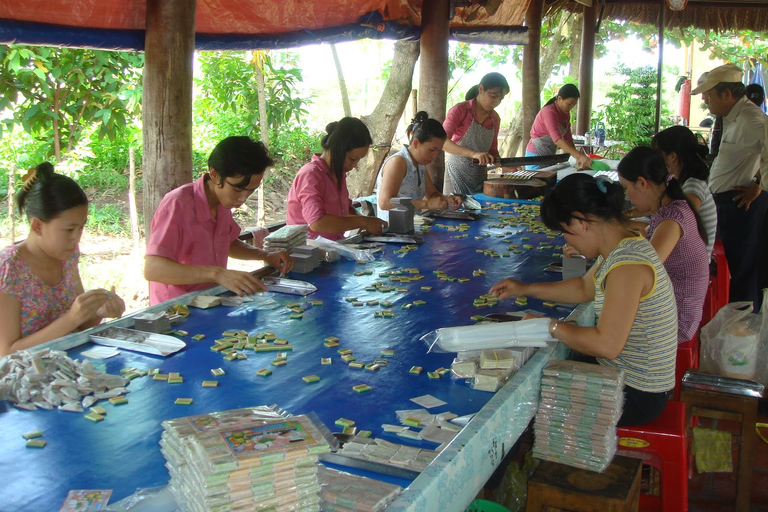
(734, 177)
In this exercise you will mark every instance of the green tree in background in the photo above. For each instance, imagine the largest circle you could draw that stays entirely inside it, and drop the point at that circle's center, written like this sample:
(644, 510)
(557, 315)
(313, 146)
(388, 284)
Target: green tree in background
(58, 95)
(631, 96)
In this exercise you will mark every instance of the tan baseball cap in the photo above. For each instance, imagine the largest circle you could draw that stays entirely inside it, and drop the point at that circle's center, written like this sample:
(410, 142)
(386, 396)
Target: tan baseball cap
(726, 73)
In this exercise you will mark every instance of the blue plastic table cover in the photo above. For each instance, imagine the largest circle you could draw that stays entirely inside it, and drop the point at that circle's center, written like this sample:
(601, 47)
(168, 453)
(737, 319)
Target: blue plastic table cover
(122, 453)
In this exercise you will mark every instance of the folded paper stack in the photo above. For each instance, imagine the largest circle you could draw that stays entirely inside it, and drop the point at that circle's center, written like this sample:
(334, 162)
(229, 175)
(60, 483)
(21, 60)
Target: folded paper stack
(244, 459)
(286, 238)
(579, 408)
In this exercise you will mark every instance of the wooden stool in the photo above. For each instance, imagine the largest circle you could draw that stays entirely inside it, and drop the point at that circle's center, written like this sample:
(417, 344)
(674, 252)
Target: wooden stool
(725, 405)
(617, 489)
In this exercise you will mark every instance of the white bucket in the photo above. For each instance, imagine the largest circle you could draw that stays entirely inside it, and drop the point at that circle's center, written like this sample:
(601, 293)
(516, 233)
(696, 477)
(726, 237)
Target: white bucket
(738, 357)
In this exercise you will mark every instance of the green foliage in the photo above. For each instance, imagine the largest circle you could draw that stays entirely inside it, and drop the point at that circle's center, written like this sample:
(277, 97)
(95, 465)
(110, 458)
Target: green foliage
(228, 103)
(57, 94)
(630, 115)
(107, 219)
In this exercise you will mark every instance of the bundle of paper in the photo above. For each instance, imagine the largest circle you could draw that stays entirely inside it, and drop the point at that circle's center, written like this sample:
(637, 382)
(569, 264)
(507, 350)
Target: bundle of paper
(578, 411)
(343, 492)
(490, 380)
(304, 263)
(391, 454)
(244, 459)
(205, 301)
(498, 359)
(152, 322)
(286, 238)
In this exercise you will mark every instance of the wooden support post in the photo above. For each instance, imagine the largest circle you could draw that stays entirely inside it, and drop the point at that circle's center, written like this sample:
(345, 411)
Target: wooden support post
(132, 209)
(662, 22)
(433, 70)
(531, 57)
(167, 99)
(583, 118)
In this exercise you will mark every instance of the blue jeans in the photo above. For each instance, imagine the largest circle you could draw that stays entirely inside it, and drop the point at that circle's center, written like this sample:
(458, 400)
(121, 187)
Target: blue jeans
(531, 167)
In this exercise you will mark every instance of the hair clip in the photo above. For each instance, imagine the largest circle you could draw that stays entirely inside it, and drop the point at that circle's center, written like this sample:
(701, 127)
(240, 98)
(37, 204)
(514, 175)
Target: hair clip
(669, 177)
(601, 185)
(29, 179)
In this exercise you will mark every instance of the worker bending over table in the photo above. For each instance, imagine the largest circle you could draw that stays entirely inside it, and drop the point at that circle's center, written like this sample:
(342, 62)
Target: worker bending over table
(636, 327)
(41, 294)
(551, 128)
(319, 196)
(193, 232)
(404, 174)
(472, 127)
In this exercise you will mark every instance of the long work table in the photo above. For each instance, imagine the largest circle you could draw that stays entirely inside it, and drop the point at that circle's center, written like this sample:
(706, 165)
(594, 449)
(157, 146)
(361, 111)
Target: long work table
(122, 453)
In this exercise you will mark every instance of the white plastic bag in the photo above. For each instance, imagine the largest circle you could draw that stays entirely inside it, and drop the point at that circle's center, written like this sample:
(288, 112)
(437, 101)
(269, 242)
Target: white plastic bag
(525, 333)
(343, 250)
(734, 343)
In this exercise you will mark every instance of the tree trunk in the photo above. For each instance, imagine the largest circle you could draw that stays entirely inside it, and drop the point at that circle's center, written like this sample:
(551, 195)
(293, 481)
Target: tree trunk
(342, 82)
(262, 92)
(575, 29)
(557, 43)
(167, 100)
(382, 122)
(132, 210)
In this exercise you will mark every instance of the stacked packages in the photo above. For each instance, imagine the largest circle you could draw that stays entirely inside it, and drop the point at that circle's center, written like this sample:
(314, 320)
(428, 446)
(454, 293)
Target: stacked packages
(305, 258)
(342, 492)
(244, 459)
(579, 408)
(286, 238)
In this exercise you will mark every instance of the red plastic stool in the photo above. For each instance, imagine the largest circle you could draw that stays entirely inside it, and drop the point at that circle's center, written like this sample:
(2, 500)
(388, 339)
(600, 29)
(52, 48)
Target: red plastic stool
(687, 358)
(661, 445)
(710, 301)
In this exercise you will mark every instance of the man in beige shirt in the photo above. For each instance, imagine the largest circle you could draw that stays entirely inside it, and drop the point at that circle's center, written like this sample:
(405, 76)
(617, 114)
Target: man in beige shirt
(734, 178)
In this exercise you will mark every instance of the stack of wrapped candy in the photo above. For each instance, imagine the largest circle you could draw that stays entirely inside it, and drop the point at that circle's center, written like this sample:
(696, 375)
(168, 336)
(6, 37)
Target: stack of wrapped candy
(579, 408)
(342, 492)
(286, 238)
(244, 459)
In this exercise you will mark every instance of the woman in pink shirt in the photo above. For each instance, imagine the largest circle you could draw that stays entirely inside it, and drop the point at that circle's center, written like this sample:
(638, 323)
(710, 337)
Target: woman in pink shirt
(473, 128)
(193, 232)
(552, 128)
(319, 197)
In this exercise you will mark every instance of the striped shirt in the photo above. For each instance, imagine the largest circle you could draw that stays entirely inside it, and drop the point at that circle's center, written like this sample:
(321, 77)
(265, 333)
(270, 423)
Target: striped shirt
(707, 209)
(687, 266)
(648, 357)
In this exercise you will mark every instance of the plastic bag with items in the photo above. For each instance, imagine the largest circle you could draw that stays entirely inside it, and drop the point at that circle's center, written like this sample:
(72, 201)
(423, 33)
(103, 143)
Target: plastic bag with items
(525, 333)
(735, 342)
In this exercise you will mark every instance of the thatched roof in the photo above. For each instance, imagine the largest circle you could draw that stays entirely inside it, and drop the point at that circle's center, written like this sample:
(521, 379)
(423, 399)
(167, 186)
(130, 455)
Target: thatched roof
(717, 15)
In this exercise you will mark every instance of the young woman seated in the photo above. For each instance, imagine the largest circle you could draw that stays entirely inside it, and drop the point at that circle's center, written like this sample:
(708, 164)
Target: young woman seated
(404, 174)
(41, 294)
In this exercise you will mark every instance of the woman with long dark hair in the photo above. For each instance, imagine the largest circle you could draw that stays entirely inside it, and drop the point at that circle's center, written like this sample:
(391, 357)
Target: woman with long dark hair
(675, 230)
(319, 196)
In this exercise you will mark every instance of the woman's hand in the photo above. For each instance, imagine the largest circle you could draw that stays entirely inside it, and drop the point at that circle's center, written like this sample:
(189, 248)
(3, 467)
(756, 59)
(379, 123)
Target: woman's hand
(508, 288)
(87, 304)
(241, 283)
(373, 225)
(483, 158)
(114, 307)
(583, 161)
(281, 260)
(454, 202)
(438, 202)
(569, 251)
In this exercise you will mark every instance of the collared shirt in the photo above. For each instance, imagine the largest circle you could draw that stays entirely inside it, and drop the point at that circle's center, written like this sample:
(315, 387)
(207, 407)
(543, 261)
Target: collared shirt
(553, 123)
(314, 195)
(183, 230)
(462, 114)
(742, 148)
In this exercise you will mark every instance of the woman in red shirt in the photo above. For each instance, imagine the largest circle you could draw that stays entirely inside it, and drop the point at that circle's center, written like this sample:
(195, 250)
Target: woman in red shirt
(472, 127)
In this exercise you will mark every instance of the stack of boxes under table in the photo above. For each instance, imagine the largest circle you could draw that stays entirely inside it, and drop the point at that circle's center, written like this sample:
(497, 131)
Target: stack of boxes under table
(244, 459)
(579, 408)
